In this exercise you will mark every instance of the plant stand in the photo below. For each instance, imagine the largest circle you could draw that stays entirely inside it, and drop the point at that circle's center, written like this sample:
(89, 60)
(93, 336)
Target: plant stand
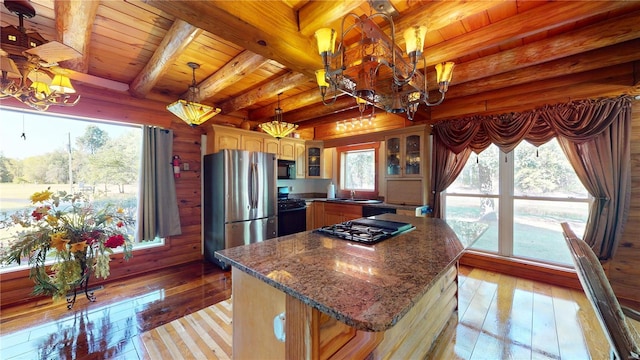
(84, 285)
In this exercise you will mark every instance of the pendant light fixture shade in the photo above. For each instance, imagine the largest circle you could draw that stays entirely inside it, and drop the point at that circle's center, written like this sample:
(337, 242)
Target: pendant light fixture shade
(278, 128)
(189, 110)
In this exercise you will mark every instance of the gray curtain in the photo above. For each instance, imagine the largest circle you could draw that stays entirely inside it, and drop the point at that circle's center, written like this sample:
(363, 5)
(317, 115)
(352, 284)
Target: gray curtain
(603, 164)
(158, 206)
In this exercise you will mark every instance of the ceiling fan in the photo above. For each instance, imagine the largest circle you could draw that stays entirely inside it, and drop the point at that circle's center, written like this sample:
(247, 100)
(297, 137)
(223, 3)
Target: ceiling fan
(29, 56)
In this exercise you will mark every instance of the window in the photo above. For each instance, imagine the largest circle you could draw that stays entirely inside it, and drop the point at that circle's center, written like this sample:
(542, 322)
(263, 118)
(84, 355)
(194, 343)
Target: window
(38, 151)
(358, 169)
(523, 197)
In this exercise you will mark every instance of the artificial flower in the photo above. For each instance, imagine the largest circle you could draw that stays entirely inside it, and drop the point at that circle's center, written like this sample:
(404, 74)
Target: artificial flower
(79, 246)
(59, 242)
(83, 237)
(41, 196)
(114, 241)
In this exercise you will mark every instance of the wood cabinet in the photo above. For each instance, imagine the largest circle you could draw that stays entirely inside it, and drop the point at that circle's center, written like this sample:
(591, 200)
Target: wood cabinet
(300, 152)
(405, 154)
(406, 166)
(271, 145)
(251, 142)
(225, 137)
(318, 214)
(314, 159)
(310, 215)
(287, 149)
(336, 213)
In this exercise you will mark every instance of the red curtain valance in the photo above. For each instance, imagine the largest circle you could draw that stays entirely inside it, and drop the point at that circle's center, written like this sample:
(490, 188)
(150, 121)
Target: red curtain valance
(577, 121)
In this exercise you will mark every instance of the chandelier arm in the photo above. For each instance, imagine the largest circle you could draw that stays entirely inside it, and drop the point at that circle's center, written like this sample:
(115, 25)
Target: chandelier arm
(335, 96)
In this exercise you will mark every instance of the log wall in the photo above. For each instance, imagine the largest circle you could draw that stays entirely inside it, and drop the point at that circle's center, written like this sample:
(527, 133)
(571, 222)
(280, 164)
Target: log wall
(16, 286)
(623, 271)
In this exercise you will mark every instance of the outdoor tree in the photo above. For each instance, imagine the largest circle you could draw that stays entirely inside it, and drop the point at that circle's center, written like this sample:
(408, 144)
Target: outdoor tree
(117, 162)
(93, 139)
(5, 174)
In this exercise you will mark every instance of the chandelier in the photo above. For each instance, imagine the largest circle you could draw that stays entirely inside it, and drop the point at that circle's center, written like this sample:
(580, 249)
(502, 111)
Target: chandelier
(27, 62)
(278, 128)
(373, 69)
(189, 110)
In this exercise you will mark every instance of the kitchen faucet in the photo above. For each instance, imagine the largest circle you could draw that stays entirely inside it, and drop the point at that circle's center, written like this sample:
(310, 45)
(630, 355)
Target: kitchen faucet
(353, 194)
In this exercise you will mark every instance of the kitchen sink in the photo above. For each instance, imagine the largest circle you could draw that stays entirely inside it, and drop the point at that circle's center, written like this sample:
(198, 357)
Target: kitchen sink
(358, 201)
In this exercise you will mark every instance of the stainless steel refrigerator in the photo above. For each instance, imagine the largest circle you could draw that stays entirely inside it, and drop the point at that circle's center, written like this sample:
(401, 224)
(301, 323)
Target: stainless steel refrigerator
(240, 200)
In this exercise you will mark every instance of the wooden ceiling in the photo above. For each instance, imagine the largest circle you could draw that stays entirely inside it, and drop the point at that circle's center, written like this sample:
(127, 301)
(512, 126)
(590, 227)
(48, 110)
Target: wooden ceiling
(507, 53)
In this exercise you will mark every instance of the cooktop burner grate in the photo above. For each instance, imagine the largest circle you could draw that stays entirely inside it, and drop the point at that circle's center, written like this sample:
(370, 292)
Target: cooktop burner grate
(368, 231)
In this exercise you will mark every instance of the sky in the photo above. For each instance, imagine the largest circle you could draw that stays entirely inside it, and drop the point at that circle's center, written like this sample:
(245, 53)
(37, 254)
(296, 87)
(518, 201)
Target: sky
(44, 132)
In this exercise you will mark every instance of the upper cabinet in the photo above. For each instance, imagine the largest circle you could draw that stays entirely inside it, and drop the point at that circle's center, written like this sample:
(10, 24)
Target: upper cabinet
(315, 160)
(225, 137)
(405, 154)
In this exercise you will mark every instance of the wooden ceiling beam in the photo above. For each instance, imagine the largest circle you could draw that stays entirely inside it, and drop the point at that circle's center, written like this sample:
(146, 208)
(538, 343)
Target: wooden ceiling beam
(610, 81)
(267, 28)
(177, 39)
(318, 14)
(297, 101)
(273, 88)
(592, 60)
(542, 18)
(244, 63)
(74, 24)
(602, 34)
(311, 112)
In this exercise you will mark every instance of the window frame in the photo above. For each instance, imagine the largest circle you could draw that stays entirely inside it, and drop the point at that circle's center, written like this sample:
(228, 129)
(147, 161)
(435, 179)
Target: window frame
(341, 151)
(506, 200)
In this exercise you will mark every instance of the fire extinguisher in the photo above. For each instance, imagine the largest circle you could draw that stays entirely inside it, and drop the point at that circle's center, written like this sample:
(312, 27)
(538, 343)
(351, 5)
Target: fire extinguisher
(176, 166)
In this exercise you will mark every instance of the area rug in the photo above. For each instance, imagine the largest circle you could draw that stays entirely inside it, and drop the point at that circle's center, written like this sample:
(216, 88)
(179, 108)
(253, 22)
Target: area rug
(205, 334)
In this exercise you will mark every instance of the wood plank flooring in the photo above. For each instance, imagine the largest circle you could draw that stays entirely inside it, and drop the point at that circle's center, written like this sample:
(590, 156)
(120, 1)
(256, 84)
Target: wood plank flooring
(499, 317)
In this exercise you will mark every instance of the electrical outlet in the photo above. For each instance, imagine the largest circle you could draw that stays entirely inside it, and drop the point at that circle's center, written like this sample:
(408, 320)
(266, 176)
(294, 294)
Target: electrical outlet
(185, 166)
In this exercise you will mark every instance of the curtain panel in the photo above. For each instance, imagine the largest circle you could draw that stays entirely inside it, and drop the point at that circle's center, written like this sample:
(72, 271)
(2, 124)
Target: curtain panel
(158, 214)
(593, 133)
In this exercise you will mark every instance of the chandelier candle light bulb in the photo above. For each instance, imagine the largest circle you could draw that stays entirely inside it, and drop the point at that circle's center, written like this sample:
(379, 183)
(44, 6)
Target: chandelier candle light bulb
(356, 69)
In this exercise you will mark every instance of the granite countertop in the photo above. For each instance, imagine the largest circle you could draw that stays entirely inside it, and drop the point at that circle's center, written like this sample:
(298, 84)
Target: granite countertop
(369, 287)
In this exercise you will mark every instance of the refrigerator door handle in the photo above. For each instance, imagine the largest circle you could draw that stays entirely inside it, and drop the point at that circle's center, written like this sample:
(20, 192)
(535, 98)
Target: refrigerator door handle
(254, 185)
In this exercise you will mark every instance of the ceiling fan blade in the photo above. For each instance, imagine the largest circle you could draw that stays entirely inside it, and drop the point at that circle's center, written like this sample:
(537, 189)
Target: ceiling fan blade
(53, 52)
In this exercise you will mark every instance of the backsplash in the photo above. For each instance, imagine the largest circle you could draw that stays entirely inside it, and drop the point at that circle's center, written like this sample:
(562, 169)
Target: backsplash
(306, 186)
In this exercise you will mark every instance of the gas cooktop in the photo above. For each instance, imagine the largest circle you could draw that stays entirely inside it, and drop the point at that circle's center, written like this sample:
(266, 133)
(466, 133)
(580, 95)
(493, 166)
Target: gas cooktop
(366, 230)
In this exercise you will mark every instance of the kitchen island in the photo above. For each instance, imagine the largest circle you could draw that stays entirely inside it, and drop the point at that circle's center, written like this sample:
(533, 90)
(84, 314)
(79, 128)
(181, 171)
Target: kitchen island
(343, 299)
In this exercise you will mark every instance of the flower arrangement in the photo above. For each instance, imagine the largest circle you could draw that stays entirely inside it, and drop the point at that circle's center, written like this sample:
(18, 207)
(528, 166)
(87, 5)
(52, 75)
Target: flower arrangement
(69, 231)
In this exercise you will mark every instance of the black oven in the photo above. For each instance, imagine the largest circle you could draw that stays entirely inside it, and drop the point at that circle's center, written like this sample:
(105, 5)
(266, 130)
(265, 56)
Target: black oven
(292, 213)
(286, 169)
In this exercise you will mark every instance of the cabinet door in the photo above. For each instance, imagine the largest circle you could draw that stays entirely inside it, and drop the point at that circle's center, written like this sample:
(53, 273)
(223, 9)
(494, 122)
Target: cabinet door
(300, 157)
(394, 155)
(226, 141)
(251, 143)
(318, 214)
(310, 217)
(412, 155)
(314, 161)
(271, 146)
(287, 150)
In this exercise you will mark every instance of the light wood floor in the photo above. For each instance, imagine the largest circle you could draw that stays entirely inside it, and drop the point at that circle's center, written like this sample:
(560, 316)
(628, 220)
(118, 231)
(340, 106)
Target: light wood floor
(499, 317)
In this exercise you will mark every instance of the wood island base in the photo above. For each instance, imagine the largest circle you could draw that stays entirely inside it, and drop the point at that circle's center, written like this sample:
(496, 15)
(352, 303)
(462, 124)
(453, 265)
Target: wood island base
(311, 334)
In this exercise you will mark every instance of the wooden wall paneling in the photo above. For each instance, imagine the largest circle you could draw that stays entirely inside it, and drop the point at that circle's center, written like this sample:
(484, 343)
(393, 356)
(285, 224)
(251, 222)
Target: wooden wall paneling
(624, 273)
(16, 287)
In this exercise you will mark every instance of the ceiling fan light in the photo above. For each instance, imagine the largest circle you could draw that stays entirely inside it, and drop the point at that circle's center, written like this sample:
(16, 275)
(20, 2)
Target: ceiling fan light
(326, 39)
(192, 113)
(62, 84)
(41, 89)
(9, 66)
(414, 39)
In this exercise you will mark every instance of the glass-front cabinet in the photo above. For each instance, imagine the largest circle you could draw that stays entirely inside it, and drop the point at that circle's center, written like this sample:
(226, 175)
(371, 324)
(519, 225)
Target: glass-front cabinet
(404, 155)
(314, 159)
